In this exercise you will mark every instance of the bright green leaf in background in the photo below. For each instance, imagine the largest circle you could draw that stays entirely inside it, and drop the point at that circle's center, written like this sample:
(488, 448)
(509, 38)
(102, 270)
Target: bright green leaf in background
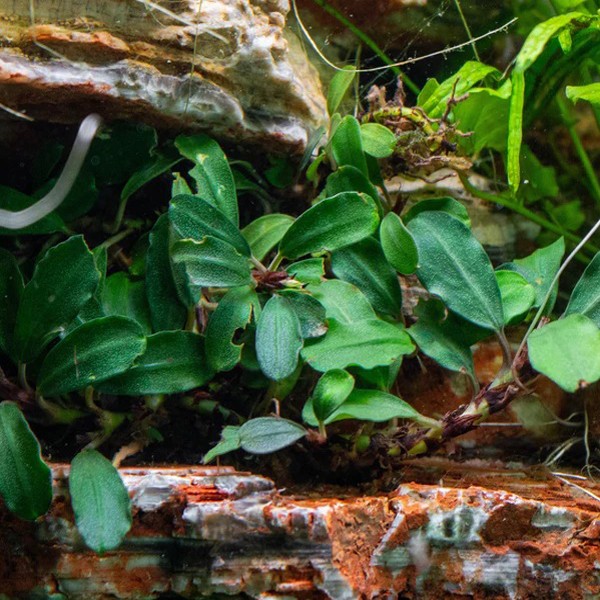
(230, 441)
(567, 351)
(585, 299)
(346, 145)
(331, 390)
(264, 233)
(338, 87)
(590, 93)
(518, 296)
(350, 179)
(269, 434)
(446, 204)
(11, 289)
(25, 479)
(398, 245)
(377, 140)
(100, 501)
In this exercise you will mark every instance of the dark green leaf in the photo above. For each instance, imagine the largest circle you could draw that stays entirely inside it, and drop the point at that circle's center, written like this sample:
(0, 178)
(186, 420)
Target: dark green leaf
(332, 223)
(127, 298)
(14, 200)
(331, 390)
(398, 245)
(585, 299)
(281, 172)
(269, 434)
(94, 352)
(173, 362)
(264, 233)
(377, 140)
(230, 441)
(537, 181)
(278, 339)
(567, 351)
(25, 479)
(366, 344)
(350, 179)
(454, 266)
(11, 289)
(518, 296)
(343, 301)
(310, 313)
(364, 265)
(211, 172)
(194, 218)
(157, 165)
(448, 205)
(346, 145)
(338, 86)
(100, 501)
(63, 281)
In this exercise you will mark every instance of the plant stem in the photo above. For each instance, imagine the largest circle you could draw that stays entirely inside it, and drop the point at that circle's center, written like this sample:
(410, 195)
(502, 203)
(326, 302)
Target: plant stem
(115, 239)
(467, 28)
(22, 376)
(276, 262)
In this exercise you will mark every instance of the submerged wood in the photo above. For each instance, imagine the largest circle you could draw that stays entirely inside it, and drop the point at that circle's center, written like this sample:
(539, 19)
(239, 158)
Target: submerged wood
(476, 529)
(227, 66)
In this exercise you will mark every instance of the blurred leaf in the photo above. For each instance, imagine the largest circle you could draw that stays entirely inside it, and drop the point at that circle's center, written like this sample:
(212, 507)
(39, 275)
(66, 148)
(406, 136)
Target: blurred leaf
(377, 140)
(338, 87)
(585, 299)
(264, 233)
(537, 181)
(281, 172)
(350, 179)
(269, 434)
(346, 145)
(158, 164)
(515, 130)
(230, 441)
(590, 93)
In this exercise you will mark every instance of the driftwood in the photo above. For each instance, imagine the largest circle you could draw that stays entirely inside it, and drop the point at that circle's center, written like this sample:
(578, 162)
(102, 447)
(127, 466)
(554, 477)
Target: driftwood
(447, 530)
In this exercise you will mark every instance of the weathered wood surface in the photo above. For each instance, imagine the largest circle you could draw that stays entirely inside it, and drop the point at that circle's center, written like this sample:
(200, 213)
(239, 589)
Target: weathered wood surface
(447, 530)
(227, 66)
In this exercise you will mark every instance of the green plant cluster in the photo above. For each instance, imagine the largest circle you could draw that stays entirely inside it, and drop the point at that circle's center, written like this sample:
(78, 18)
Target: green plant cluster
(310, 302)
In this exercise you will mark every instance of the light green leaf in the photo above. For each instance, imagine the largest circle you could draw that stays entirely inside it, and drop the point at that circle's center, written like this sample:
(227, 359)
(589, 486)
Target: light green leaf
(310, 313)
(346, 145)
(537, 181)
(589, 93)
(179, 186)
(367, 344)
(343, 301)
(264, 233)
(25, 479)
(194, 218)
(278, 339)
(173, 362)
(211, 172)
(364, 264)
(377, 140)
(398, 245)
(567, 351)
(127, 298)
(515, 130)
(518, 296)
(94, 352)
(331, 390)
(166, 310)
(209, 263)
(585, 299)
(100, 501)
(338, 86)
(332, 223)
(11, 290)
(233, 313)
(230, 441)
(447, 204)
(63, 281)
(454, 266)
(309, 270)
(269, 434)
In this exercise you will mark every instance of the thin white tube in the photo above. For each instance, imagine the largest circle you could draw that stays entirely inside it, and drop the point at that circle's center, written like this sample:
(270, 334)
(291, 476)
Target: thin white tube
(53, 199)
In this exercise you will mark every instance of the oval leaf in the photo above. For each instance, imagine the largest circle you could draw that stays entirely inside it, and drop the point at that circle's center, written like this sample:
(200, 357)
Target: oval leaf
(269, 434)
(310, 313)
(338, 86)
(398, 245)
(95, 351)
(310, 270)
(377, 140)
(278, 339)
(454, 266)
(585, 299)
(518, 296)
(264, 233)
(343, 301)
(331, 390)
(567, 351)
(126, 298)
(173, 362)
(100, 501)
(448, 205)
(332, 223)
(25, 479)
(346, 145)
(350, 179)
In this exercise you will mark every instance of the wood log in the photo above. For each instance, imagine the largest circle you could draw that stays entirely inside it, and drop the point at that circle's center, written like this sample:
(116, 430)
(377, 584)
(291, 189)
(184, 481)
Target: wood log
(445, 530)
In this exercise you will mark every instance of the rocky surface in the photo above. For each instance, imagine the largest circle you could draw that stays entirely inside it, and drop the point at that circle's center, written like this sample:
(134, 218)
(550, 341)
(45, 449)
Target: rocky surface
(227, 66)
(447, 530)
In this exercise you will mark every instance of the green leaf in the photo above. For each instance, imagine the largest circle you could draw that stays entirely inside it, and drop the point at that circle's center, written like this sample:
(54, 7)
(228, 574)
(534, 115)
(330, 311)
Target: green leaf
(233, 313)
(127, 298)
(94, 352)
(518, 296)
(438, 336)
(230, 441)
(567, 351)
(11, 290)
(464, 79)
(338, 87)
(63, 281)
(539, 269)
(367, 344)
(264, 233)
(448, 205)
(331, 390)
(310, 270)
(343, 301)
(209, 263)
(515, 130)
(25, 479)
(281, 172)
(179, 186)
(377, 140)
(278, 338)
(310, 313)
(398, 245)
(194, 218)
(364, 264)
(14, 200)
(589, 93)
(346, 145)
(366, 405)
(166, 310)
(100, 501)
(585, 299)
(173, 362)
(332, 223)
(537, 181)
(157, 165)
(350, 179)
(269, 434)
(454, 266)
(211, 173)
